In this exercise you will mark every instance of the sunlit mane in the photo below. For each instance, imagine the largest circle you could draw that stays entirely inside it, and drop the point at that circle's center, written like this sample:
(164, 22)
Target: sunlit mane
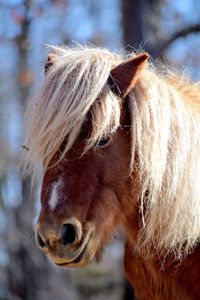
(165, 136)
(75, 84)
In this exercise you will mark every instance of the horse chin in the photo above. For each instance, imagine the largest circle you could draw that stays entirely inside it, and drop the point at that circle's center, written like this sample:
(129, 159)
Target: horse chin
(73, 264)
(87, 256)
(79, 262)
(84, 258)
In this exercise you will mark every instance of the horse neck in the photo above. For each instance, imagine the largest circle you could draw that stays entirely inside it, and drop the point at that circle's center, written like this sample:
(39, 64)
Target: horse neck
(167, 279)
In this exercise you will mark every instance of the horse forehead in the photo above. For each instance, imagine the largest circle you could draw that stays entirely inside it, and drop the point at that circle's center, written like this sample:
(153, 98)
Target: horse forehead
(55, 193)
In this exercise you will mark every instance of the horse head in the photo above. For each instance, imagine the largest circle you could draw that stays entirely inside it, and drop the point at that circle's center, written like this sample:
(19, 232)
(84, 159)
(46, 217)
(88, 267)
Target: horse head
(87, 191)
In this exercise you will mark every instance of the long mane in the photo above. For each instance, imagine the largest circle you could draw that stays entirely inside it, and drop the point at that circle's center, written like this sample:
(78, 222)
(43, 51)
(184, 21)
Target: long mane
(74, 85)
(165, 134)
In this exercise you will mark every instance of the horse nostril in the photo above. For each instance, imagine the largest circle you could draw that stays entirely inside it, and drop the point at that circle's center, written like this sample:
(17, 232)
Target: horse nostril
(40, 241)
(68, 235)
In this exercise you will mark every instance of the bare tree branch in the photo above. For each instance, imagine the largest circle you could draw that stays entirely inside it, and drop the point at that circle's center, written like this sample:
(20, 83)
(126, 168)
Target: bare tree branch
(179, 34)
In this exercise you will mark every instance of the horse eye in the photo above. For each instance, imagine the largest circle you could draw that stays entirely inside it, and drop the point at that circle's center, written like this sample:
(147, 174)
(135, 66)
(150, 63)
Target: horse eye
(103, 142)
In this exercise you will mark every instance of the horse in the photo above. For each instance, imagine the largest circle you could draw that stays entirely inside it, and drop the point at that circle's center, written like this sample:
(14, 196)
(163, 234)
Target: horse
(117, 139)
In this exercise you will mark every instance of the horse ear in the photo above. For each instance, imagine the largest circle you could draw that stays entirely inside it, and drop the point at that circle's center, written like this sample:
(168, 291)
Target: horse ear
(124, 77)
(50, 61)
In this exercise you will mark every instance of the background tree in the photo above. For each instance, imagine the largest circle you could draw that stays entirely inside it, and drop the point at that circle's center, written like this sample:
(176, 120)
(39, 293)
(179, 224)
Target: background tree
(167, 29)
(154, 25)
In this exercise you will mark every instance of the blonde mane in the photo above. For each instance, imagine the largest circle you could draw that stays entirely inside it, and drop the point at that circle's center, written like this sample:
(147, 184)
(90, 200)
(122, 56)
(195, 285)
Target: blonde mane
(75, 84)
(165, 135)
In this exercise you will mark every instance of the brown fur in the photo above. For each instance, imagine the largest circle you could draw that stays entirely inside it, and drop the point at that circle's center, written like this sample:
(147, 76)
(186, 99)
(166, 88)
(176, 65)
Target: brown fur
(98, 192)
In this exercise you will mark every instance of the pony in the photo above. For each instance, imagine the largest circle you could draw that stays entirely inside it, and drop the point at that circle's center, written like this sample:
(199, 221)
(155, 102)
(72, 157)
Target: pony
(117, 140)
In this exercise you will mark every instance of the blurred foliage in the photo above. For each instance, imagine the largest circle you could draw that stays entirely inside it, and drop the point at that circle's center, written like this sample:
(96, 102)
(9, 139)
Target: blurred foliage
(168, 29)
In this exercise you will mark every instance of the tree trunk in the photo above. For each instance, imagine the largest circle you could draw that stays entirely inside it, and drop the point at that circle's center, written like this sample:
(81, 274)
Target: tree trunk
(132, 23)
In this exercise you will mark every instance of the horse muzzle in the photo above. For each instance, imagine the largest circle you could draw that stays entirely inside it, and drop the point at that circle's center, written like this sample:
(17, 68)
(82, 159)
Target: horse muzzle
(67, 245)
